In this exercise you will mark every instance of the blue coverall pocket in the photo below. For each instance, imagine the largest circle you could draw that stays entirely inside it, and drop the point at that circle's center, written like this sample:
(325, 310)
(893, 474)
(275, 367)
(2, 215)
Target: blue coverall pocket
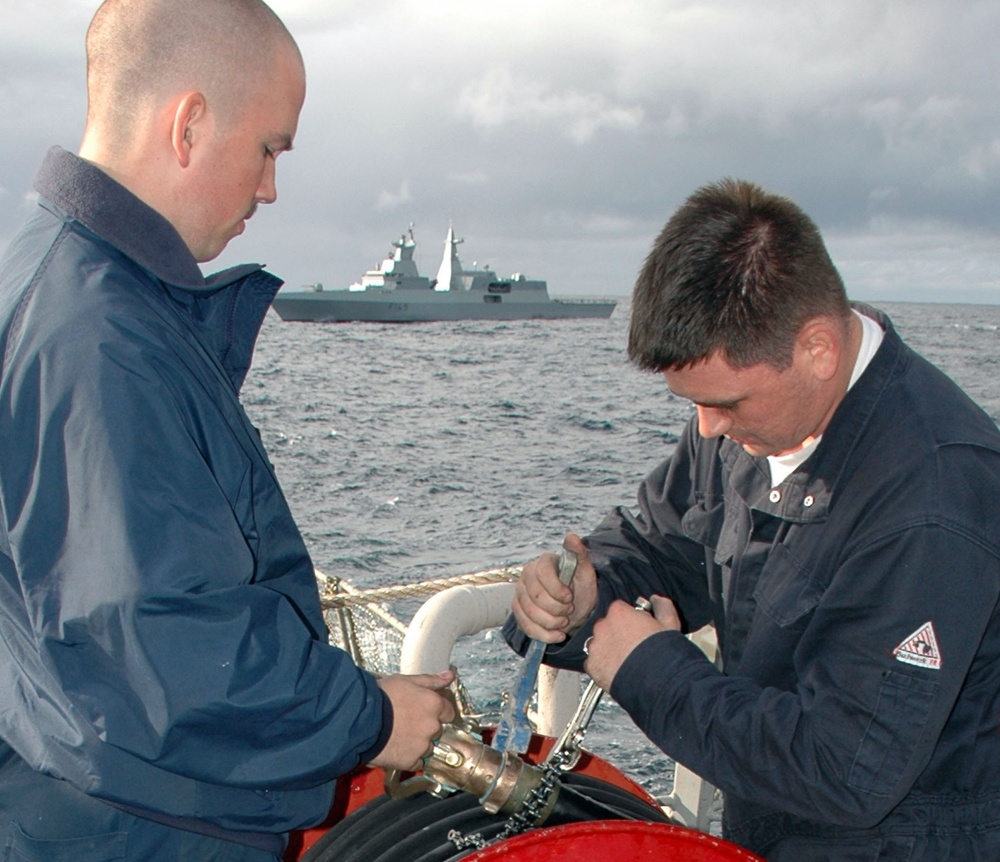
(92, 848)
(703, 523)
(893, 732)
(786, 591)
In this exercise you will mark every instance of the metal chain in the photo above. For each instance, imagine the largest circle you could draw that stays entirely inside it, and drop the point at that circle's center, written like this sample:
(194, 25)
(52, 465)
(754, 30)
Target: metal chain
(534, 804)
(463, 842)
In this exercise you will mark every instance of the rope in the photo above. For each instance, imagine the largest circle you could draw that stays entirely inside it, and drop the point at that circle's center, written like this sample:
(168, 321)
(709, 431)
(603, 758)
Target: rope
(338, 593)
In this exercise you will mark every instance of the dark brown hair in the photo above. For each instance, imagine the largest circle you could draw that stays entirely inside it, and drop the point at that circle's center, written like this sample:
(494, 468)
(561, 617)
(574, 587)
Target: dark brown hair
(736, 270)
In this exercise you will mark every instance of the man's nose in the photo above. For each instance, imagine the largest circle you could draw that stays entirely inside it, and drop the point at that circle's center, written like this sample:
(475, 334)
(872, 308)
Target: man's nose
(712, 422)
(267, 191)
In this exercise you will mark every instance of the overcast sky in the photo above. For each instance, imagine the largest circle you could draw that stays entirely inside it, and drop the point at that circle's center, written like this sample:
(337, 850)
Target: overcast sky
(559, 136)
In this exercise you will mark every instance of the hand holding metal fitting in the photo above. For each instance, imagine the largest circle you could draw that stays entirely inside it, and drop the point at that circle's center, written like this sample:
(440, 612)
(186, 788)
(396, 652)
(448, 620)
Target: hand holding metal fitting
(621, 630)
(567, 749)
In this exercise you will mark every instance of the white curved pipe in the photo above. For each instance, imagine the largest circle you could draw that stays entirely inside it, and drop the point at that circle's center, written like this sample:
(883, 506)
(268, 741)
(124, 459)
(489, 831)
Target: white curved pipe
(467, 610)
(447, 616)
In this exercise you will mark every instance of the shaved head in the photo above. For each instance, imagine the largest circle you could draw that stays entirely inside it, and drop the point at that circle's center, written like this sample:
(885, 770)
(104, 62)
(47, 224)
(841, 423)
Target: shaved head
(141, 53)
(190, 102)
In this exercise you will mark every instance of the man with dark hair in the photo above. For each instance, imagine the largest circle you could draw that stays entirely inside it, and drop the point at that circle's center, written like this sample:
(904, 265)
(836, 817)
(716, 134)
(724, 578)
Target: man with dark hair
(834, 509)
(735, 270)
(169, 692)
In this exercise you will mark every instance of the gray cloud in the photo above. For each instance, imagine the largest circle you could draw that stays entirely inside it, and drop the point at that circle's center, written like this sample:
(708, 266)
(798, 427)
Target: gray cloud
(559, 136)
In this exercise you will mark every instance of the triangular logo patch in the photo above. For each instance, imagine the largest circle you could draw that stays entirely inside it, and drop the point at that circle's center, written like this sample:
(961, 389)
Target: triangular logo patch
(920, 648)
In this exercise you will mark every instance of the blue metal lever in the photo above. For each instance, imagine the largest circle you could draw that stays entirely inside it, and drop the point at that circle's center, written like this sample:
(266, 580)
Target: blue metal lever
(514, 730)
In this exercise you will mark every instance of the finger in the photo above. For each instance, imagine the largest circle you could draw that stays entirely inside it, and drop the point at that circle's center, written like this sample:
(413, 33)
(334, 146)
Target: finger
(552, 616)
(539, 624)
(620, 607)
(444, 704)
(540, 608)
(540, 582)
(434, 741)
(574, 543)
(450, 711)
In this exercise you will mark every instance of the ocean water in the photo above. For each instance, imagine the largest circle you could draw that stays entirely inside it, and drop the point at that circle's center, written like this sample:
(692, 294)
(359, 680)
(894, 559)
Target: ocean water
(417, 451)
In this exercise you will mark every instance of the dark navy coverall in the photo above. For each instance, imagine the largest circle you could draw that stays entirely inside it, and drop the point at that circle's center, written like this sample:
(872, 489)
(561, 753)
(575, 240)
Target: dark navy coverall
(857, 714)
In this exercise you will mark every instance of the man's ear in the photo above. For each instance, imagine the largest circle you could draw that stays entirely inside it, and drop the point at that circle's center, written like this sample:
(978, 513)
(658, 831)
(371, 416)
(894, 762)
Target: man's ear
(189, 120)
(822, 344)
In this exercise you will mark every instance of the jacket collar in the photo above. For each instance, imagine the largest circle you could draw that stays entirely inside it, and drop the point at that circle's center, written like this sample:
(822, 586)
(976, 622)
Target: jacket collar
(226, 321)
(85, 193)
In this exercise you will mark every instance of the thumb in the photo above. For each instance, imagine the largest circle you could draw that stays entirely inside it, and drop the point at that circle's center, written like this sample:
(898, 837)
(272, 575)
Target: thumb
(574, 543)
(584, 584)
(434, 681)
(665, 612)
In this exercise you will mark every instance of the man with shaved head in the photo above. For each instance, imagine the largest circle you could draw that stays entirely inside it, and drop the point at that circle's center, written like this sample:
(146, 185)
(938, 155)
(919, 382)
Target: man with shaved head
(169, 693)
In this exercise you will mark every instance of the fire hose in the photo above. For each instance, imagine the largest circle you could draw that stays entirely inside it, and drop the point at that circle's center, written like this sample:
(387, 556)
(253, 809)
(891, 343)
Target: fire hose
(472, 799)
(424, 828)
(471, 795)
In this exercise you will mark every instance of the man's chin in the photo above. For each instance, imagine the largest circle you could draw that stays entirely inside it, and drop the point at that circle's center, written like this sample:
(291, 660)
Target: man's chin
(739, 441)
(756, 450)
(206, 256)
(212, 252)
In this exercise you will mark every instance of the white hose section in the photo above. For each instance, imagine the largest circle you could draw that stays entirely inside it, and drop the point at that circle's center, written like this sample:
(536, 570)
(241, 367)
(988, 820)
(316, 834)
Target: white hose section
(447, 616)
(467, 610)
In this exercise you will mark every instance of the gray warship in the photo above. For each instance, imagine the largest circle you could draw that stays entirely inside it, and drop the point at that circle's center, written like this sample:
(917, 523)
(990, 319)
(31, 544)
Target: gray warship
(397, 293)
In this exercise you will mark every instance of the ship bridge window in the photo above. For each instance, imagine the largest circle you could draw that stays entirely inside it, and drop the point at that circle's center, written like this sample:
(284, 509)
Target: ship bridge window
(499, 287)
(491, 298)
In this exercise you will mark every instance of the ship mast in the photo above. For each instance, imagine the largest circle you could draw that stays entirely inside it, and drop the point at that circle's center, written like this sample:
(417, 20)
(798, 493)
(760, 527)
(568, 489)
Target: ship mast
(450, 274)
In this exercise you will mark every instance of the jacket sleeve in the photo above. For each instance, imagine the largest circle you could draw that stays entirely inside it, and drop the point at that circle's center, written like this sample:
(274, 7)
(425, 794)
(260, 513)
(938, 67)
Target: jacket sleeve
(663, 545)
(169, 593)
(852, 737)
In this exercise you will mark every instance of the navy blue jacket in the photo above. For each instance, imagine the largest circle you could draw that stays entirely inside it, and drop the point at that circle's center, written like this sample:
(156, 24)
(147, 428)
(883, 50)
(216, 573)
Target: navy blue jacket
(857, 715)
(162, 645)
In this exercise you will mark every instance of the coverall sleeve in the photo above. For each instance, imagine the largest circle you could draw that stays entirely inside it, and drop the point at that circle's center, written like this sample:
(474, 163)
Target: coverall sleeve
(847, 743)
(660, 546)
(169, 592)
(648, 551)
